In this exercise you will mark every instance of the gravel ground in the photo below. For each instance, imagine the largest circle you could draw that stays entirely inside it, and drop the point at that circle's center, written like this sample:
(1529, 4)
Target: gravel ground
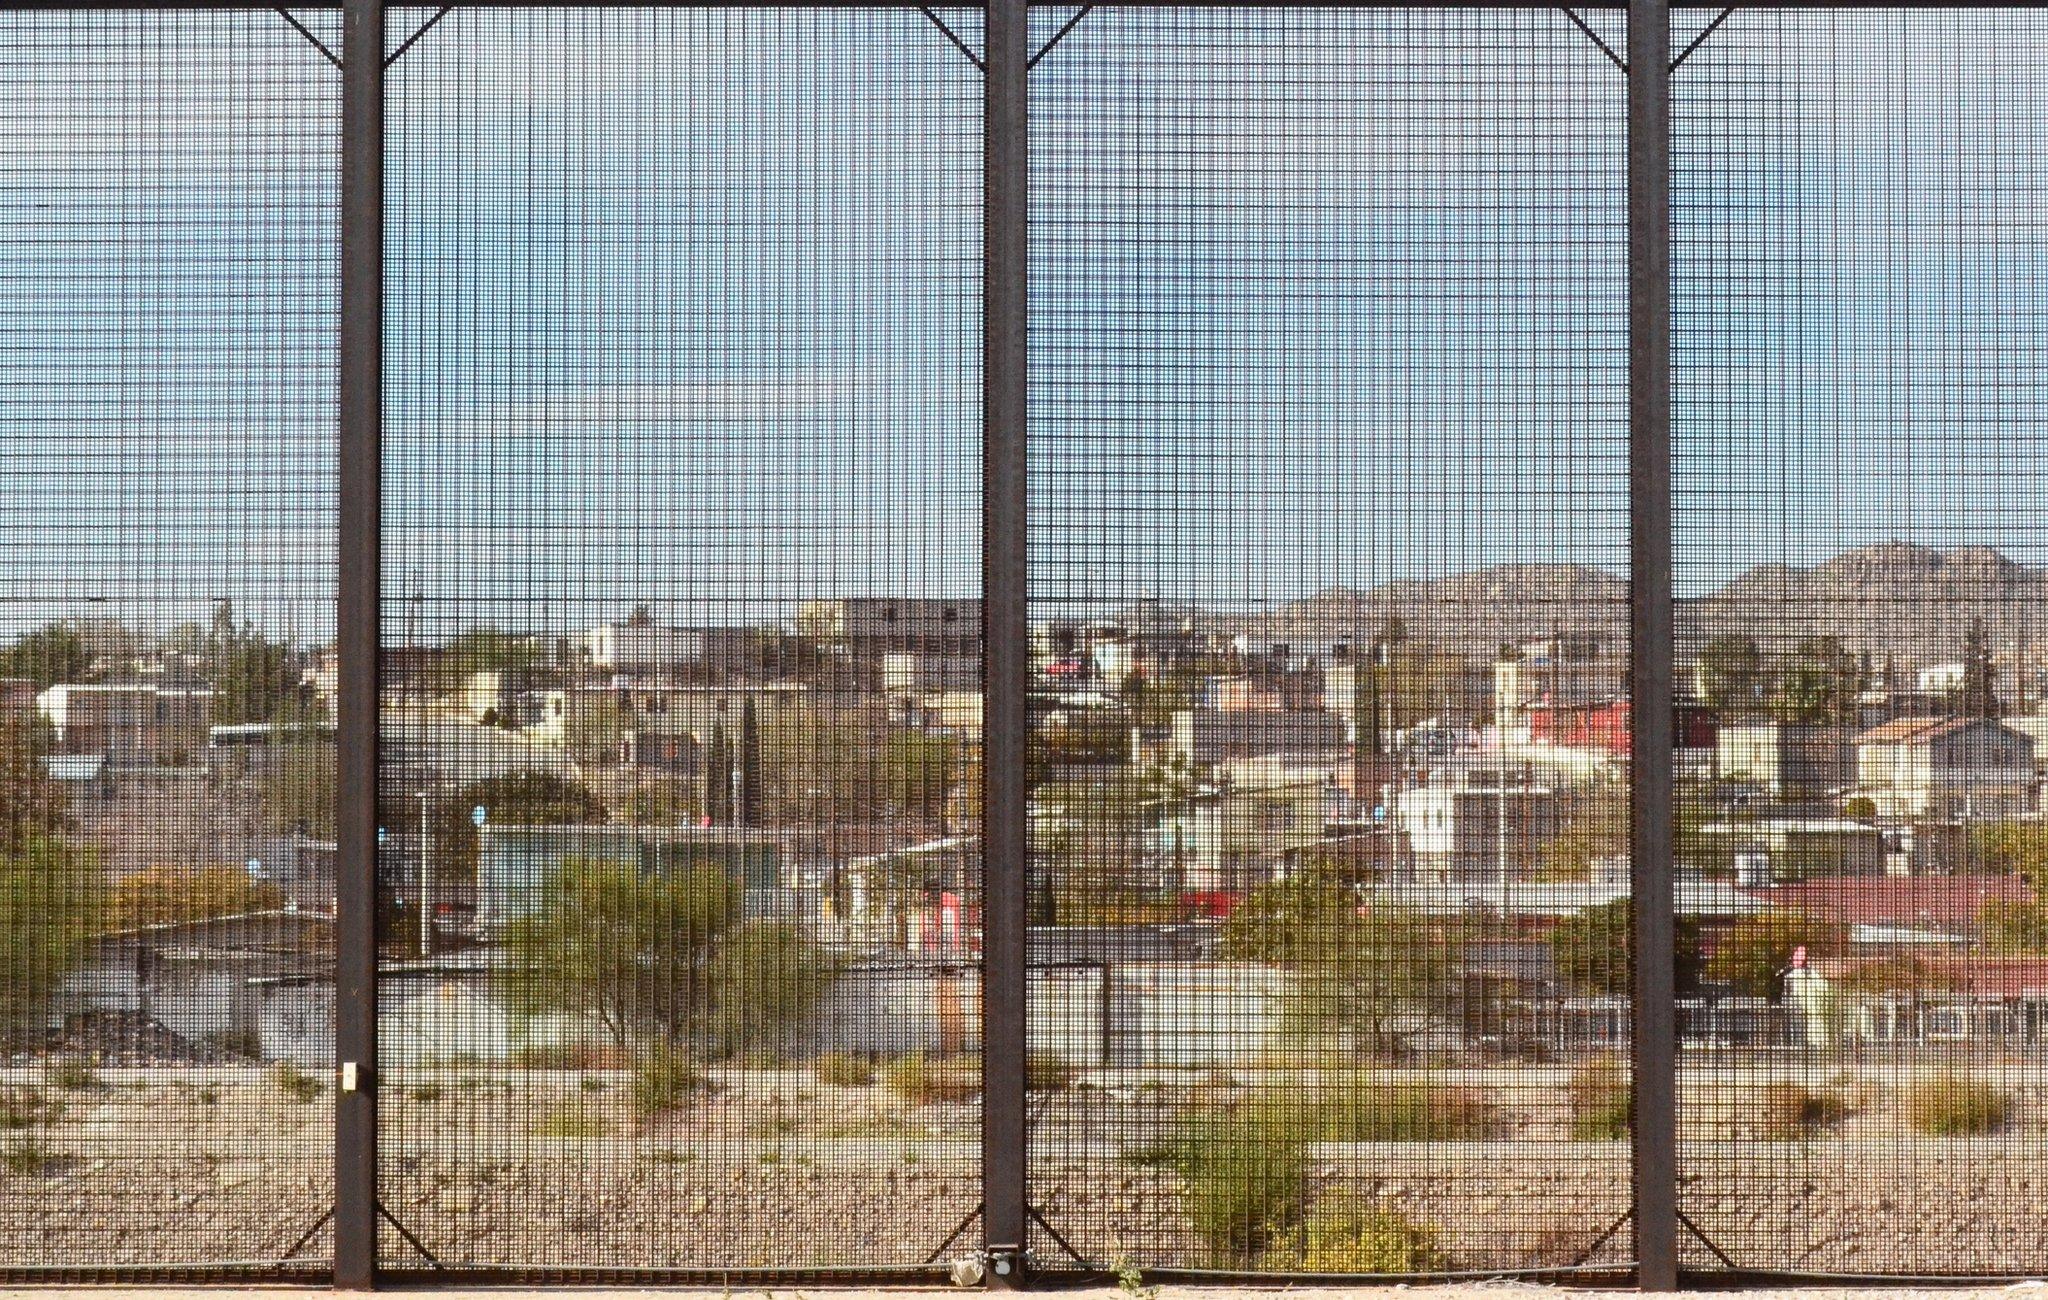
(774, 1172)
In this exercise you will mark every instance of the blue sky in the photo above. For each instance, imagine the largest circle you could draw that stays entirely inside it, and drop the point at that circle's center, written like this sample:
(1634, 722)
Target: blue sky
(683, 305)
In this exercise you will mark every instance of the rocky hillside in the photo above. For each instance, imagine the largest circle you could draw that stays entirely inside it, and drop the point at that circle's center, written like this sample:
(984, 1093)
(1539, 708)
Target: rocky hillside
(1911, 602)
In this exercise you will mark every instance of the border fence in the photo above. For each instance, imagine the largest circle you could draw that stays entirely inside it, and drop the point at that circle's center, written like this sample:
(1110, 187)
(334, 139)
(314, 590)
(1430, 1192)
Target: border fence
(886, 642)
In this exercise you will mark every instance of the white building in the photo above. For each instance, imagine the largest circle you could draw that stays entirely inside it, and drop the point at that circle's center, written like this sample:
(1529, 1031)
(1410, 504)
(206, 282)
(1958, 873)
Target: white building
(1947, 767)
(641, 647)
(1476, 822)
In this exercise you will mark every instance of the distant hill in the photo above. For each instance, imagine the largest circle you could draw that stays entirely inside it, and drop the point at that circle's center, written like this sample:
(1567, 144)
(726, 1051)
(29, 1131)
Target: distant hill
(1911, 602)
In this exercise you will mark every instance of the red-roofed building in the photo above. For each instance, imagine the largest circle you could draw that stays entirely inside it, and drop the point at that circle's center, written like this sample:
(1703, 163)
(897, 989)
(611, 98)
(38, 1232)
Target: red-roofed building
(1950, 903)
(1606, 725)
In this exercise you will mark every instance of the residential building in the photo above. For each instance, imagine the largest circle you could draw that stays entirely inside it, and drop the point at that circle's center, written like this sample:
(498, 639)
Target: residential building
(869, 626)
(1947, 767)
(132, 725)
(516, 863)
(1205, 737)
(634, 649)
(908, 671)
(1560, 671)
(1236, 838)
(1767, 849)
(1786, 760)
(1475, 821)
(1606, 725)
(661, 709)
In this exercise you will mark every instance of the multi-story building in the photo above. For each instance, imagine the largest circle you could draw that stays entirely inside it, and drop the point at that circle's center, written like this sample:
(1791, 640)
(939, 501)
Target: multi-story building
(1476, 821)
(870, 626)
(1788, 761)
(130, 724)
(1966, 768)
(1205, 737)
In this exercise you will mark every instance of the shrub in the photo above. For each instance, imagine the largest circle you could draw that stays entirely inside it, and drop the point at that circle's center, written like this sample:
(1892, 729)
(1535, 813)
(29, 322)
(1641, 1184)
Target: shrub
(1792, 1109)
(1347, 1234)
(1409, 1112)
(571, 1121)
(844, 1070)
(1244, 1176)
(1958, 1106)
(1047, 1072)
(70, 1074)
(25, 1106)
(427, 1092)
(296, 1083)
(921, 1081)
(663, 1079)
(1603, 1108)
(28, 1157)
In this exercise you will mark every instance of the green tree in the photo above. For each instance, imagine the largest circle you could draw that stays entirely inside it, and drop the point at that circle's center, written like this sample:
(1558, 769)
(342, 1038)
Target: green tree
(1755, 953)
(52, 901)
(596, 732)
(920, 772)
(765, 980)
(718, 770)
(1594, 951)
(481, 649)
(750, 770)
(2014, 927)
(1819, 686)
(662, 803)
(523, 798)
(1357, 973)
(1734, 679)
(1595, 827)
(51, 654)
(254, 679)
(297, 791)
(32, 806)
(1976, 697)
(665, 954)
(628, 948)
(2011, 848)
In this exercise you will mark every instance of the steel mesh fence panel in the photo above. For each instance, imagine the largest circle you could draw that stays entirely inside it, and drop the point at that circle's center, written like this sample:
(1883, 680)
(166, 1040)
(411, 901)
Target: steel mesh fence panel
(682, 629)
(1859, 289)
(167, 256)
(1329, 876)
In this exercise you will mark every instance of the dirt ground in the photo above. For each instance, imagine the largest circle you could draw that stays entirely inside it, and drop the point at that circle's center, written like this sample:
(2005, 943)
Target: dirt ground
(1465, 1291)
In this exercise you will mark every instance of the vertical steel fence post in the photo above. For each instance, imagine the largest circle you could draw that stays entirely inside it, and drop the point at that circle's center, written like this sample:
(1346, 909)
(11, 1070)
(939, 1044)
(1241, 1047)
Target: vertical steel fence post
(1651, 810)
(1006, 661)
(357, 639)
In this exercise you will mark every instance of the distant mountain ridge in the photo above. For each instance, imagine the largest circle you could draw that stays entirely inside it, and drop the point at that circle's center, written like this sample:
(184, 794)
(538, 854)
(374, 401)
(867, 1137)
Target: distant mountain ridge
(1911, 602)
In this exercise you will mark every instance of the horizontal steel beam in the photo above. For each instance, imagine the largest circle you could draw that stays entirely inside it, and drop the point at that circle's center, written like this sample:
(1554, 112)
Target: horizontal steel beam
(211, 6)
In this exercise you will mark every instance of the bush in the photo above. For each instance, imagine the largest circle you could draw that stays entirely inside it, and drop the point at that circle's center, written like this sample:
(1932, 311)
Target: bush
(1046, 1072)
(1603, 1108)
(26, 1106)
(1347, 1234)
(71, 1074)
(296, 1083)
(921, 1081)
(1958, 1106)
(1409, 1112)
(28, 1157)
(571, 1121)
(844, 1070)
(663, 1079)
(1791, 1110)
(1244, 1176)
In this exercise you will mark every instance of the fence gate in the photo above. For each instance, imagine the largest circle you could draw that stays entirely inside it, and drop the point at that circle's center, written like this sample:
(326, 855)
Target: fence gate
(1014, 641)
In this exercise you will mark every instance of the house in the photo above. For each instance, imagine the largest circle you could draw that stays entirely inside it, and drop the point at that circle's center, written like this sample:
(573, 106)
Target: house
(1232, 839)
(870, 626)
(1476, 821)
(132, 725)
(1947, 767)
(661, 709)
(1606, 725)
(1789, 761)
(1766, 849)
(1561, 671)
(904, 672)
(636, 649)
(1206, 737)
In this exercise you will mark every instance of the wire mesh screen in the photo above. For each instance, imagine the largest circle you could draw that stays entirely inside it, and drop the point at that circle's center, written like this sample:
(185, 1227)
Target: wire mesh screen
(682, 668)
(1329, 868)
(1860, 285)
(167, 258)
